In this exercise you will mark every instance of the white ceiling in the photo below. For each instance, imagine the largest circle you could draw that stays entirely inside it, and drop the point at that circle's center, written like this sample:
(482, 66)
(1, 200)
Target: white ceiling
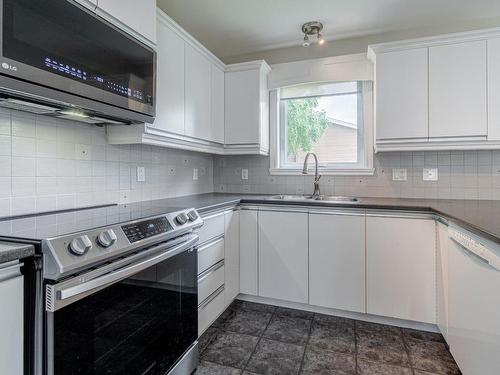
(234, 27)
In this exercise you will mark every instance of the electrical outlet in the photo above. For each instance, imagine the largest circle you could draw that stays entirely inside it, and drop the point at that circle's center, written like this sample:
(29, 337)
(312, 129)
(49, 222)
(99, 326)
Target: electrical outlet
(195, 173)
(82, 152)
(171, 170)
(186, 162)
(141, 174)
(399, 174)
(203, 171)
(244, 174)
(430, 174)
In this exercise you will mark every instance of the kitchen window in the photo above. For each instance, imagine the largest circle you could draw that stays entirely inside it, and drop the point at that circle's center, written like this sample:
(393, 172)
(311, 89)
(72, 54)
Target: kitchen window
(331, 119)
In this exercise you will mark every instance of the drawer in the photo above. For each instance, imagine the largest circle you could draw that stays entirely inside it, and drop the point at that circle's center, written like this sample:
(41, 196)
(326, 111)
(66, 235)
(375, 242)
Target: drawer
(210, 254)
(213, 226)
(210, 281)
(210, 310)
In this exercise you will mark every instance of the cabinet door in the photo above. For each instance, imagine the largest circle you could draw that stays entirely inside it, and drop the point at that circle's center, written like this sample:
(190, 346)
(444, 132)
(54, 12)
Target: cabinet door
(402, 95)
(401, 268)
(493, 89)
(198, 94)
(11, 323)
(442, 278)
(283, 248)
(457, 90)
(242, 107)
(248, 252)
(337, 261)
(232, 255)
(170, 81)
(217, 133)
(474, 302)
(139, 16)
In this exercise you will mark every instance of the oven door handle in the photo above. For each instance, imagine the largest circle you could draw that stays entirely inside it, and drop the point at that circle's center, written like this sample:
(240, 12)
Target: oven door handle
(123, 273)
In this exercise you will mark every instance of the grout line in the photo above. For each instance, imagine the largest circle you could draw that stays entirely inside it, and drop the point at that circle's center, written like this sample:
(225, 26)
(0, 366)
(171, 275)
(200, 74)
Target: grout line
(260, 339)
(306, 344)
(407, 350)
(356, 346)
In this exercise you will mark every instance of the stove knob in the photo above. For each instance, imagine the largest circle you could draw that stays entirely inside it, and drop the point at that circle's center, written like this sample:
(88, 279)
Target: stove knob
(181, 219)
(192, 215)
(106, 238)
(80, 245)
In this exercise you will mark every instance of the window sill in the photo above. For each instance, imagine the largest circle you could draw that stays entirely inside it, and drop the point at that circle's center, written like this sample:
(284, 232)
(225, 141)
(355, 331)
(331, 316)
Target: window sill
(324, 172)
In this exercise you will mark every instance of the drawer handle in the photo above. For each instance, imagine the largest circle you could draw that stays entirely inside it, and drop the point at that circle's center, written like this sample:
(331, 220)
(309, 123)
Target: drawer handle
(206, 245)
(211, 297)
(210, 271)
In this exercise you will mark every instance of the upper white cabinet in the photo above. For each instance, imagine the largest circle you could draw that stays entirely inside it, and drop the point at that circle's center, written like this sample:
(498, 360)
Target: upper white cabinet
(438, 93)
(402, 94)
(170, 80)
(137, 16)
(198, 94)
(247, 108)
(283, 255)
(218, 97)
(337, 260)
(457, 90)
(401, 267)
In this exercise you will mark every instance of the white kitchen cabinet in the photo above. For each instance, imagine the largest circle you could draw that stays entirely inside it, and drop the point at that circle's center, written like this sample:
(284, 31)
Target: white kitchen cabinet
(457, 90)
(283, 255)
(248, 251)
(474, 302)
(402, 95)
(138, 16)
(493, 89)
(247, 108)
(337, 260)
(170, 80)
(11, 319)
(197, 94)
(232, 255)
(217, 125)
(442, 278)
(401, 267)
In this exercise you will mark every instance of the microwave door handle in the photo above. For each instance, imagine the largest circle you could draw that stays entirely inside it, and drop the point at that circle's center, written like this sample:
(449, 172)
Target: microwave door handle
(123, 273)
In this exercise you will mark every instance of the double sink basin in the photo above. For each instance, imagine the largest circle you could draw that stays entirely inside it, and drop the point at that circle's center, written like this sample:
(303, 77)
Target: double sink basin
(309, 198)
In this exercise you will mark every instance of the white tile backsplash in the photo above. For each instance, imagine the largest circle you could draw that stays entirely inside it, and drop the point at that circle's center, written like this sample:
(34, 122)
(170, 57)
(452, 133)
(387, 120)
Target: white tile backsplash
(48, 164)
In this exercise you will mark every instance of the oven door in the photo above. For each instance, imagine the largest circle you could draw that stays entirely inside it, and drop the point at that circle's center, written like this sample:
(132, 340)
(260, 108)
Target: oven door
(135, 318)
(60, 45)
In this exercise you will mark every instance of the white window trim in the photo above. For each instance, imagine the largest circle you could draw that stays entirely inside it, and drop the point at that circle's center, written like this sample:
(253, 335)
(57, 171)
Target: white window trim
(325, 169)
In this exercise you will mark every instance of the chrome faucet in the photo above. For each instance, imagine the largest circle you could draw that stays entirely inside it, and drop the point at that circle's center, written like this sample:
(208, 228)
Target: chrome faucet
(317, 176)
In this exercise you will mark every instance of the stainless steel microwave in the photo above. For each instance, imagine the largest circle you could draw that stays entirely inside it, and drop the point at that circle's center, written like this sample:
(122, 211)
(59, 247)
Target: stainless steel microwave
(61, 59)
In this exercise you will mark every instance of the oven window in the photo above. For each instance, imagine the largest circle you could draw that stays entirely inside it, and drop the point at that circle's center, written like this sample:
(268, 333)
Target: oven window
(58, 37)
(141, 325)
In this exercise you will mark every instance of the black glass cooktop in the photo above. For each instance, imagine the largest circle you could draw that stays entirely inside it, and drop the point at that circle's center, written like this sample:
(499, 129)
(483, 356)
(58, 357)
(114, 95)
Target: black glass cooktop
(37, 227)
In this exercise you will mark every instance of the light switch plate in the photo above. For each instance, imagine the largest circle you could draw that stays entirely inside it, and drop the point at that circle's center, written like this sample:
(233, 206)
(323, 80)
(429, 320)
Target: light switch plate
(244, 174)
(399, 174)
(430, 174)
(195, 173)
(141, 174)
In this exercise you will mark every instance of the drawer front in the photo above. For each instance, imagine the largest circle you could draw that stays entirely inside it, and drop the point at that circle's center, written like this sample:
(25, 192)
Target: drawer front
(210, 281)
(213, 226)
(210, 254)
(209, 311)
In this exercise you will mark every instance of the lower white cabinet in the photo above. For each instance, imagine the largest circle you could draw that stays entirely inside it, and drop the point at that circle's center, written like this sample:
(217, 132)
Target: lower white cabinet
(442, 278)
(401, 267)
(11, 319)
(283, 255)
(210, 310)
(248, 251)
(232, 255)
(337, 260)
(473, 314)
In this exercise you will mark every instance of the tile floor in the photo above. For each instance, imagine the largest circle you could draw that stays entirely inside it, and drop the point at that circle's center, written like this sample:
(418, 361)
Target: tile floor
(252, 338)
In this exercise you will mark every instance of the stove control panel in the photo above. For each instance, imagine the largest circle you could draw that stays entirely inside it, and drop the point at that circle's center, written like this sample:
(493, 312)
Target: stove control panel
(147, 228)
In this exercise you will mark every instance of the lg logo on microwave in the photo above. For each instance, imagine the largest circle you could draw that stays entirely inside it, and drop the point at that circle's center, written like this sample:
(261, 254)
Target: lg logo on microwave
(9, 67)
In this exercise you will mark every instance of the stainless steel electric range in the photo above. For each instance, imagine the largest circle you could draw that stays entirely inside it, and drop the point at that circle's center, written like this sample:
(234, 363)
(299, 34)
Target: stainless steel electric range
(113, 289)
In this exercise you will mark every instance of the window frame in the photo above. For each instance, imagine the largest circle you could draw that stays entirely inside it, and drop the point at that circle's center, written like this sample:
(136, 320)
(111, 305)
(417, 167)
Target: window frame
(364, 165)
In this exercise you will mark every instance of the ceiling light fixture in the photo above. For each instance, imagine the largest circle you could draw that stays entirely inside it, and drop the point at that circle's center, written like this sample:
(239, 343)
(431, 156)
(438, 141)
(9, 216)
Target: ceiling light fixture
(311, 29)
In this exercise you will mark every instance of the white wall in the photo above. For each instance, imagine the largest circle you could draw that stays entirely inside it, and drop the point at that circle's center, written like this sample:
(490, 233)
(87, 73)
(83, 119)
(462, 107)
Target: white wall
(48, 164)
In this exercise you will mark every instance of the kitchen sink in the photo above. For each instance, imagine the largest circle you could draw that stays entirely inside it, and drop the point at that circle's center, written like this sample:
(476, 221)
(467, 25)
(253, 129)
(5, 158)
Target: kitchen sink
(305, 198)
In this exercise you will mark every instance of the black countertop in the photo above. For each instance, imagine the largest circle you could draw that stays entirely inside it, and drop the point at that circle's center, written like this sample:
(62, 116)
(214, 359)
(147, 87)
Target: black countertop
(13, 251)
